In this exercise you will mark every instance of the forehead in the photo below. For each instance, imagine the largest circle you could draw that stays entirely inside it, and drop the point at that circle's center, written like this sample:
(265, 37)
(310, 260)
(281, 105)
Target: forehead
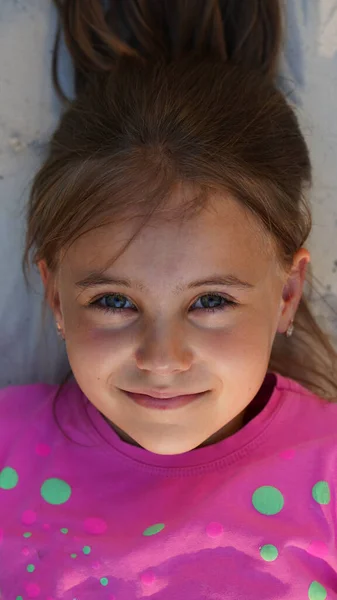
(223, 235)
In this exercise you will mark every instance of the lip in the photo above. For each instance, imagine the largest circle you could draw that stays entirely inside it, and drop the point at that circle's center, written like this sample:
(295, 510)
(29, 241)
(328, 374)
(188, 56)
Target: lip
(163, 403)
(157, 394)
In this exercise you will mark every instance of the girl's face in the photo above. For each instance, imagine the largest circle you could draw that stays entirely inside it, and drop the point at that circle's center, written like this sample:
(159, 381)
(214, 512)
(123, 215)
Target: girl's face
(165, 337)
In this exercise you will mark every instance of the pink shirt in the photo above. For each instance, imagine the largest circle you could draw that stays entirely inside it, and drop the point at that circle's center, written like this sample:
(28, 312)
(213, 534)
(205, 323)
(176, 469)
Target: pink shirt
(252, 517)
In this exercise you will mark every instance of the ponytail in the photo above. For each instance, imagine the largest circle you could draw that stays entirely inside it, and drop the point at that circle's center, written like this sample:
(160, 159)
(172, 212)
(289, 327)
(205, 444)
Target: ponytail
(97, 33)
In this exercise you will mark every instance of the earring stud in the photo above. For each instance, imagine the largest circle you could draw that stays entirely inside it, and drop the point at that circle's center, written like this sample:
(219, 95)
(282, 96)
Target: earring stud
(59, 330)
(290, 329)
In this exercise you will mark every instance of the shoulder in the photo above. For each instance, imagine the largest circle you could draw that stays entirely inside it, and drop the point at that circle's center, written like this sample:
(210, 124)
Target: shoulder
(306, 408)
(20, 404)
(25, 407)
(294, 388)
(24, 397)
(29, 411)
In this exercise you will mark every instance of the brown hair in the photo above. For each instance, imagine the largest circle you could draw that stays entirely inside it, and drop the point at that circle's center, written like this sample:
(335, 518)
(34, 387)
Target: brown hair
(173, 91)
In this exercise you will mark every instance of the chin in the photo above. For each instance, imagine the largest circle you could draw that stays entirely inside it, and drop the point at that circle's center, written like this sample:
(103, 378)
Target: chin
(168, 447)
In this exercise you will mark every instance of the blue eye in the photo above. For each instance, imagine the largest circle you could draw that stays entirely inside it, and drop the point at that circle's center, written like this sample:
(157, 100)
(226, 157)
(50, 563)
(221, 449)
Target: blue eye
(224, 303)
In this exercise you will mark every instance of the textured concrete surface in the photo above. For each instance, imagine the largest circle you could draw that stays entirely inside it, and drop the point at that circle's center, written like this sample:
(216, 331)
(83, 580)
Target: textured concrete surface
(29, 112)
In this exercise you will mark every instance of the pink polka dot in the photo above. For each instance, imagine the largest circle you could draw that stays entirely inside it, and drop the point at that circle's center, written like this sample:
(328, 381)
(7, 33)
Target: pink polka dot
(25, 551)
(148, 578)
(318, 548)
(33, 590)
(95, 525)
(214, 529)
(42, 449)
(1, 535)
(96, 565)
(28, 517)
(112, 597)
(46, 526)
(287, 454)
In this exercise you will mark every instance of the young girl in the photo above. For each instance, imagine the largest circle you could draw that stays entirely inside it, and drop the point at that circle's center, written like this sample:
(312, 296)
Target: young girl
(191, 453)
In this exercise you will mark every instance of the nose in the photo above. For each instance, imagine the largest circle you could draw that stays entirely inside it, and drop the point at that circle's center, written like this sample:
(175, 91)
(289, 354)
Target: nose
(164, 350)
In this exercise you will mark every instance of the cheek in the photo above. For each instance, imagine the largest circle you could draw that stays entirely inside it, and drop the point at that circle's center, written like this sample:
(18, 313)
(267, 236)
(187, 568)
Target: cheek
(249, 342)
(96, 352)
(240, 360)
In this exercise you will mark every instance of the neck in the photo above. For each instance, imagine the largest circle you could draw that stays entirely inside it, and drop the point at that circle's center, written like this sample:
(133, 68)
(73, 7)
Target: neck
(223, 433)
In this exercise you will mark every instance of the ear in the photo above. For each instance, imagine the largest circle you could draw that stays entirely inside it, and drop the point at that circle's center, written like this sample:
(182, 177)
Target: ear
(293, 289)
(51, 293)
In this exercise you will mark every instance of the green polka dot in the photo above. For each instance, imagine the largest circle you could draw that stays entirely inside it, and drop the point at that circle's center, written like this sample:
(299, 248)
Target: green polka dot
(269, 552)
(31, 568)
(317, 591)
(86, 549)
(104, 581)
(154, 529)
(268, 500)
(19, 598)
(321, 492)
(27, 534)
(73, 555)
(64, 530)
(55, 491)
(8, 478)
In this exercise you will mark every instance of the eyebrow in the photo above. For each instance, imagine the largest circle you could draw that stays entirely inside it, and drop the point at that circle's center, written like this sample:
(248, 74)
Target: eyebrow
(96, 279)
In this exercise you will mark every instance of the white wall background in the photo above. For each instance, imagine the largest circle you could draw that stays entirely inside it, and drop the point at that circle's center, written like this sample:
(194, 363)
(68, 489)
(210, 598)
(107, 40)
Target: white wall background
(29, 113)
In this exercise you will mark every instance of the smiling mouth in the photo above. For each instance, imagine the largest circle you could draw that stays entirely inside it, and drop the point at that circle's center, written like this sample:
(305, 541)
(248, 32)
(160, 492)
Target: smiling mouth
(163, 403)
